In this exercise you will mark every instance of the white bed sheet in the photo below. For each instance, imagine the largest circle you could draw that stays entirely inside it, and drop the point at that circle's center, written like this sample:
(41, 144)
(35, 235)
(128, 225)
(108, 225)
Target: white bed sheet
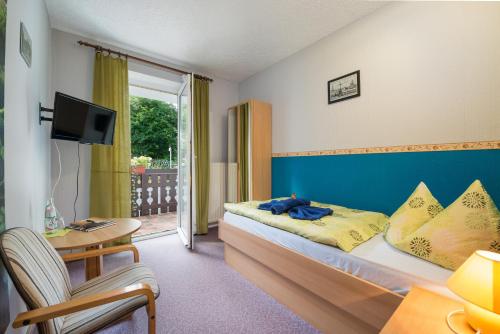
(375, 260)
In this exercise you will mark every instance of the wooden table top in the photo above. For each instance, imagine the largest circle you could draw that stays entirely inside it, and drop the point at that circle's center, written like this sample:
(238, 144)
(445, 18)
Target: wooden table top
(79, 239)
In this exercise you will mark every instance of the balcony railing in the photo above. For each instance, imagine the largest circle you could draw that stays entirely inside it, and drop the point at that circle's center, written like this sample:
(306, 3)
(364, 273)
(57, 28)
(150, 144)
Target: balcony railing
(154, 192)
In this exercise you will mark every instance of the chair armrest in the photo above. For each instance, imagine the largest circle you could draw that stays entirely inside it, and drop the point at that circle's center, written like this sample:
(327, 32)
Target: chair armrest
(102, 251)
(83, 303)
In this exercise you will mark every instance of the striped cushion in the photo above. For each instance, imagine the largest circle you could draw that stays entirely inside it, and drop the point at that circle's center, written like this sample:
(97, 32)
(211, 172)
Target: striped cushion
(37, 271)
(95, 318)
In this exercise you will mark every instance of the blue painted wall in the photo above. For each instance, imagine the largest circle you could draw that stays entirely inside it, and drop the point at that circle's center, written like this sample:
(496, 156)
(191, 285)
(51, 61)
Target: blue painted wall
(382, 182)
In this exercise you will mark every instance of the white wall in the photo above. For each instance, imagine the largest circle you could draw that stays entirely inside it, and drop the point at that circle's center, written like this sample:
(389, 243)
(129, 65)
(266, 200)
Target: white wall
(430, 73)
(223, 94)
(27, 155)
(73, 74)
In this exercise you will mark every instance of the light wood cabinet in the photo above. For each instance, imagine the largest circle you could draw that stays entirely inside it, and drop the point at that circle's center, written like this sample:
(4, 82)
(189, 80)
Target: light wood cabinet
(423, 311)
(249, 161)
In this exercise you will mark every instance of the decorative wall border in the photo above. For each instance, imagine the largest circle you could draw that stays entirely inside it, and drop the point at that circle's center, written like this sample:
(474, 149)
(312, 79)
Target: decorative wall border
(466, 146)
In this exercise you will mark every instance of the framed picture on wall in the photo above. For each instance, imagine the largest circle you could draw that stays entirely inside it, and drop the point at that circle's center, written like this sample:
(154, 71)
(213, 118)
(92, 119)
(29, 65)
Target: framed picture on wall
(25, 45)
(344, 87)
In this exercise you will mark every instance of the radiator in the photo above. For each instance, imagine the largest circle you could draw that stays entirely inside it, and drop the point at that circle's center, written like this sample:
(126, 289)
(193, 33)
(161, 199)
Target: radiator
(217, 193)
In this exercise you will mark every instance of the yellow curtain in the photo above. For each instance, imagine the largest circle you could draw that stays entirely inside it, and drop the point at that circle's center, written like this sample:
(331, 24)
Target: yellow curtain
(201, 152)
(243, 151)
(110, 172)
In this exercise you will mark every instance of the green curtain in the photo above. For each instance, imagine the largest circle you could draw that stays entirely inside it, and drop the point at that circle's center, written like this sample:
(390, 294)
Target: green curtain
(110, 171)
(201, 137)
(243, 152)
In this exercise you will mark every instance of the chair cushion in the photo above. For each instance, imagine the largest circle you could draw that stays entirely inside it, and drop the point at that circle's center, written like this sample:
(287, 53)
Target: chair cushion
(418, 209)
(98, 317)
(470, 223)
(37, 270)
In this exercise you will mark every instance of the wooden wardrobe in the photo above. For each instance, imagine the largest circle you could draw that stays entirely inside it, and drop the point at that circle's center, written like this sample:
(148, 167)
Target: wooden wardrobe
(249, 161)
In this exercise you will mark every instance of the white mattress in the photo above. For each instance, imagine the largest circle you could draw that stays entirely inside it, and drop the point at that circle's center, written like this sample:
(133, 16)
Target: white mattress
(375, 260)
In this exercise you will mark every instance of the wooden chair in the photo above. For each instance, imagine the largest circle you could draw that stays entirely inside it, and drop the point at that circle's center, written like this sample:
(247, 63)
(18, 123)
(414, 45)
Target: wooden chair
(41, 278)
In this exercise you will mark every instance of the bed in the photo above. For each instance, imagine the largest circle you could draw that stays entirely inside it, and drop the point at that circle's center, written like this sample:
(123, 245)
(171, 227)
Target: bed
(335, 291)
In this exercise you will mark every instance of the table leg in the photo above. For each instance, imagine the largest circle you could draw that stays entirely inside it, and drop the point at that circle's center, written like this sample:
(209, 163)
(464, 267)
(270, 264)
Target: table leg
(93, 265)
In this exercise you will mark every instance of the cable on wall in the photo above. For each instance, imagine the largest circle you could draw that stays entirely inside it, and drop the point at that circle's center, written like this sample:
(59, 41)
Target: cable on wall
(77, 179)
(60, 170)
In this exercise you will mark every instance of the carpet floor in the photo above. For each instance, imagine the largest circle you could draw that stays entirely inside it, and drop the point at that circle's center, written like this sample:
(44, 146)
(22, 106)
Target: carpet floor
(199, 292)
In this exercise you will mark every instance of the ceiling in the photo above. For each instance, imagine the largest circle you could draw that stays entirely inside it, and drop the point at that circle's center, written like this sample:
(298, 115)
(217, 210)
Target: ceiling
(231, 39)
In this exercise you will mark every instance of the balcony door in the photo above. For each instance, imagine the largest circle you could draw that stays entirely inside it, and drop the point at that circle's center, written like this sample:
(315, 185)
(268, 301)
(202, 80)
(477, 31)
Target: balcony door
(185, 151)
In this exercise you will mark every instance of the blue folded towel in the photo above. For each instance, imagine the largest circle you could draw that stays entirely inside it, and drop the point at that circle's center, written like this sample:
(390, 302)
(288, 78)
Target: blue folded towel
(279, 207)
(287, 204)
(306, 212)
(267, 206)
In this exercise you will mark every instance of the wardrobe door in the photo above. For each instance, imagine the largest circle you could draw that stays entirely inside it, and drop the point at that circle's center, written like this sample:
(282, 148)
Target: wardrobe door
(260, 157)
(232, 163)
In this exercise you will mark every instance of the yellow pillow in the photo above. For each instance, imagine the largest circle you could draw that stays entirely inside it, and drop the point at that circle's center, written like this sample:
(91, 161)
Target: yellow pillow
(418, 209)
(470, 223)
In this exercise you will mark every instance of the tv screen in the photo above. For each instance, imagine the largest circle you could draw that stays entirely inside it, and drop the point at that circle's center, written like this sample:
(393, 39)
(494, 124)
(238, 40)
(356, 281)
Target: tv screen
(82, 121)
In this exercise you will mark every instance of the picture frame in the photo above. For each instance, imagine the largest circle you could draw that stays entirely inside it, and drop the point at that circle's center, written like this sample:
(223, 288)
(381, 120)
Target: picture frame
(25, 44)
(344, 87)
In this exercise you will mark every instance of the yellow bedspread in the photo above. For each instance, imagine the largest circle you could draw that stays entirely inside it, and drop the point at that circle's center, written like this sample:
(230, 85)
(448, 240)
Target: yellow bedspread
(346, 228)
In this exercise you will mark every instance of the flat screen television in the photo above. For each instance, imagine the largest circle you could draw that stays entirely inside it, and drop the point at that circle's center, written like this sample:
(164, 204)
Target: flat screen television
(82, 121)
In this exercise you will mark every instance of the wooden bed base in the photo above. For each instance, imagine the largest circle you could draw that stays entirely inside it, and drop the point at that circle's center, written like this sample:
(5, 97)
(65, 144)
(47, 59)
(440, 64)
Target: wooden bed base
(331, 300)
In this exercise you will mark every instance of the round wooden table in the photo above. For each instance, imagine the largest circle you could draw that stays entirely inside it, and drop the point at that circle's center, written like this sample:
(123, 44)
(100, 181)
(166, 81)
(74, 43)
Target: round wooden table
(94, 240)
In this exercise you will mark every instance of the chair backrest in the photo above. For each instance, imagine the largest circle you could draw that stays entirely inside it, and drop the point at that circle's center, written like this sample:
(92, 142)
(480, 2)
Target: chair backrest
(37, 271)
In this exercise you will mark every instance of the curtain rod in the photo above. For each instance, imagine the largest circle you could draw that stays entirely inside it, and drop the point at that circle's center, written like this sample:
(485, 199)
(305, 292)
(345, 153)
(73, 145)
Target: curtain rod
(119, 54)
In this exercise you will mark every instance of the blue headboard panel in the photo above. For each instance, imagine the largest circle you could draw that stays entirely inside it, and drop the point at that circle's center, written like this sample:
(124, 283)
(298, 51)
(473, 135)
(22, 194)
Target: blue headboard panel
(383, 181)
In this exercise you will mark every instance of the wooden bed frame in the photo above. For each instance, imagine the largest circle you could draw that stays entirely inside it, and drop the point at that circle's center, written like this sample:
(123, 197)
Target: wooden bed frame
(331, 300)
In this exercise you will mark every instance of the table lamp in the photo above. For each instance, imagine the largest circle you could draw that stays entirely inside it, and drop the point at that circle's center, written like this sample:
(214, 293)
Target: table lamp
(477, 281)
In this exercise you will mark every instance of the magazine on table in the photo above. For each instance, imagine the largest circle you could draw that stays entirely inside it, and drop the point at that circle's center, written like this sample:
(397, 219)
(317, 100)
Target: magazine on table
(89, 225)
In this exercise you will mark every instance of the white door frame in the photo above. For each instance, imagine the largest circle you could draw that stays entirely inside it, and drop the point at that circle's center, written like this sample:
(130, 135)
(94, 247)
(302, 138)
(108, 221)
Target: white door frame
(185, 236)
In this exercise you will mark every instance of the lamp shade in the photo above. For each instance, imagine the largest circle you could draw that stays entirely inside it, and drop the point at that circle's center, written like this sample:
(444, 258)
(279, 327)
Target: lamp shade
(477, 280)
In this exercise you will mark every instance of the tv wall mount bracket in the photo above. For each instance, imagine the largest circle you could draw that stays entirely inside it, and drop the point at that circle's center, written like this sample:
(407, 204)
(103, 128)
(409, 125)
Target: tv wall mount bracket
(41, 111)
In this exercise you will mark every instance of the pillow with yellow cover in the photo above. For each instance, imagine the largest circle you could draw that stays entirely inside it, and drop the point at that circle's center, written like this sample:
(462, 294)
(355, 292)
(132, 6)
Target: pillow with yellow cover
(418, 209)
(470, 223)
